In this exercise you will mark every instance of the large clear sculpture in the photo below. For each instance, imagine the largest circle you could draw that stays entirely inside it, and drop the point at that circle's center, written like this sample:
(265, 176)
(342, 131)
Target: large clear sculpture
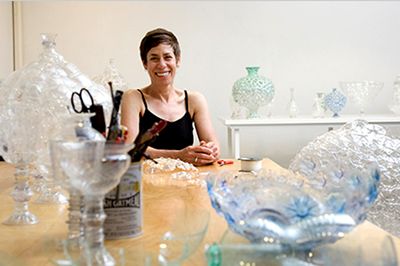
(44, 86)
(357, 145)
(333, 184)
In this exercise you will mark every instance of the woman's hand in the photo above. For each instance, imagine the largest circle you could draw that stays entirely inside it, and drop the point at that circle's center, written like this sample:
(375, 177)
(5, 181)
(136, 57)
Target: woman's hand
(198, 155)
(212, 146)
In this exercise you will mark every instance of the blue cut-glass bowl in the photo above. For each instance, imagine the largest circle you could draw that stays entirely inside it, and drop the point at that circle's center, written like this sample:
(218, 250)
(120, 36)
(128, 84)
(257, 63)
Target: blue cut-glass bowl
(289, 210)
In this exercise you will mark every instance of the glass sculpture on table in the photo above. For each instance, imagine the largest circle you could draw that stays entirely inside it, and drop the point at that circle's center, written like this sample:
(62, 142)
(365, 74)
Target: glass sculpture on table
(174, 172)
(45, 86)
(253, 91)
(289, 211)
(333, 184)
(358, 145)
(361, 92)
(335, 101)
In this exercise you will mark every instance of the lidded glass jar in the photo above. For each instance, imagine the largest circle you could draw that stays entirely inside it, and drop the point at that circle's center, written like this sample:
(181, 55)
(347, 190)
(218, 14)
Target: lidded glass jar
(36, 98)
(253, 91)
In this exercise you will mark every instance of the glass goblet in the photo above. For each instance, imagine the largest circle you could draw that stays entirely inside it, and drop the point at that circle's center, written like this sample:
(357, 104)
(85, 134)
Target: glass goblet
(95, 168)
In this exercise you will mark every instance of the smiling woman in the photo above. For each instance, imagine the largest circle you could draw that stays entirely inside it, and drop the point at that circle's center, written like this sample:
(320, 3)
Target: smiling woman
(161, 100)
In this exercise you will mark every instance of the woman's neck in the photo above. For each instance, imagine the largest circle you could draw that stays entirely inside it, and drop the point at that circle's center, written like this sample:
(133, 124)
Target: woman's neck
(163, 93)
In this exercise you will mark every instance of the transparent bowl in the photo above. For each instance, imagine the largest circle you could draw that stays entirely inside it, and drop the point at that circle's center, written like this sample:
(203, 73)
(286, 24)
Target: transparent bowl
(361, 93)
(287, 210)
(357, 145)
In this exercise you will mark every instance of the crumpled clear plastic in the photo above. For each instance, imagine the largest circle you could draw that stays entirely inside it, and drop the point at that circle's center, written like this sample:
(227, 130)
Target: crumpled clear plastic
(35, 100)
(358, 145)
(172, 172)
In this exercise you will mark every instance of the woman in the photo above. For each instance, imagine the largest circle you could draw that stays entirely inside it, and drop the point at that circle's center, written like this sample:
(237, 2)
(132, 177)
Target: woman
(160, 54)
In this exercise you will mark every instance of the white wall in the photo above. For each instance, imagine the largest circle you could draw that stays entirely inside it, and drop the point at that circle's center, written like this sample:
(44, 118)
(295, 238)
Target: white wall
(6, 43)
(307, 45)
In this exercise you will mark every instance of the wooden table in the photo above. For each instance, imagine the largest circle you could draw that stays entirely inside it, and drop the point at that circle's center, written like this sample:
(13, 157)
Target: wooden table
(35, 245)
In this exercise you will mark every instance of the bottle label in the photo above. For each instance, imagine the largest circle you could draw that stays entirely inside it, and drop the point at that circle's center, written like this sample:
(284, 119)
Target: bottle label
(123, 206)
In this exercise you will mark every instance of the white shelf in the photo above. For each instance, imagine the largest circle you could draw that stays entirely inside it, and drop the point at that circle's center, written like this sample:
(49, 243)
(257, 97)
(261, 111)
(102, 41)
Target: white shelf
(234, 125)
(379, 119)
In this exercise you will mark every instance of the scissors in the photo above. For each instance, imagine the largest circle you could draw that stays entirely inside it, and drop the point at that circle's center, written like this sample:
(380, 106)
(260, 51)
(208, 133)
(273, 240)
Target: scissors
(80, 104)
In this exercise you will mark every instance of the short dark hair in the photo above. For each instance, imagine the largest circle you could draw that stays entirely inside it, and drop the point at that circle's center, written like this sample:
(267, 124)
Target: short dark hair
(154, 38)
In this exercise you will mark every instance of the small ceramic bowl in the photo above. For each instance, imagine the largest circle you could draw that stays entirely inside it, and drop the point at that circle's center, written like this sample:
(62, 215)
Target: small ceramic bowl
(250, 164)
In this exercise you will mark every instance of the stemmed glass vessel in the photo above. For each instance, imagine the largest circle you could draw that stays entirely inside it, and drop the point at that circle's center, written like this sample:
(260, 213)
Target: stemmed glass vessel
(361, 92)
(78, 128)
(19, 149)
(22, 192)
(94, 168)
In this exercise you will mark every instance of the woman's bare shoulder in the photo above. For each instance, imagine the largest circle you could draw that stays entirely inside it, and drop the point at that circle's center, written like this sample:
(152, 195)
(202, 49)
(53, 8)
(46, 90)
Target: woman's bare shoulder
(196, 97)
(132, 95)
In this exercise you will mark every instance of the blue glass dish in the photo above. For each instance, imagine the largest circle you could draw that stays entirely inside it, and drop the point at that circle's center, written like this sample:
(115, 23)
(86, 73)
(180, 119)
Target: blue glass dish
(286, 209)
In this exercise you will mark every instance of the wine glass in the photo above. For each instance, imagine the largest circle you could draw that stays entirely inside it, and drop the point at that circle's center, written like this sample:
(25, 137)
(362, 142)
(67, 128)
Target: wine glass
(94, 168)
(184, 237)
(361, 92)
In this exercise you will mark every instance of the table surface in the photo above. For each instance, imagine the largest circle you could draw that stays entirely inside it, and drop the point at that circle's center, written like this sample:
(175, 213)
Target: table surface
(37, 244)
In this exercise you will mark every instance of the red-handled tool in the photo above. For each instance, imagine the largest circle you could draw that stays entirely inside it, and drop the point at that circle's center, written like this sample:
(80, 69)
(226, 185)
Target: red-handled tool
(222, 162)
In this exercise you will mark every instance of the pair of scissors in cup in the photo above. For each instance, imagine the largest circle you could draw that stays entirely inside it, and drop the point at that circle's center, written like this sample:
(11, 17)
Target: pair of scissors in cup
(82, 101)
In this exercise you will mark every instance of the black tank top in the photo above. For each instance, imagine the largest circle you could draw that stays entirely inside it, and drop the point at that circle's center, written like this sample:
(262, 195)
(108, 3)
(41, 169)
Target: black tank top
(176, 135)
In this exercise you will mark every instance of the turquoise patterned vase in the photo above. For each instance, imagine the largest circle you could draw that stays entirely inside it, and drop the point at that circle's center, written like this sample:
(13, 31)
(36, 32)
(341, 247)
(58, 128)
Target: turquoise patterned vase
(335, 101)
(253, 91)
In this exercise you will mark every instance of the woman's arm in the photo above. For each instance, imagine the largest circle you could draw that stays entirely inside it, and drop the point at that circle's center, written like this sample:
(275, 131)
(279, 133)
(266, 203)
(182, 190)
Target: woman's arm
(202, 120)
(208, 150)
(131, 107)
